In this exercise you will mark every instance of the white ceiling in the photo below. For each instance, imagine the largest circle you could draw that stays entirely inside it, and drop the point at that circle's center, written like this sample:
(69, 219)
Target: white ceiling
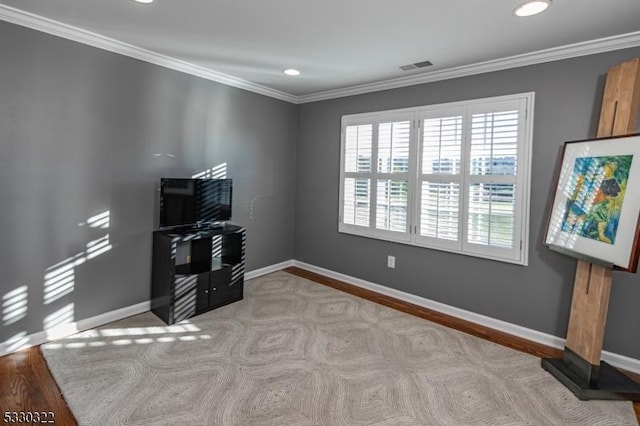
(338, 44)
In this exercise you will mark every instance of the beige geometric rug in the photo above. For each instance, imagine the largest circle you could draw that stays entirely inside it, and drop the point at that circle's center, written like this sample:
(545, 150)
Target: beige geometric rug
(294, 352)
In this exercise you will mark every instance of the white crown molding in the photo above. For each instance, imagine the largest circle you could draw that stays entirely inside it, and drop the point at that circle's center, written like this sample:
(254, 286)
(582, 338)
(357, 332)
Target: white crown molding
(617, 360)
(607, 44)
(50, 26)
(69, 32)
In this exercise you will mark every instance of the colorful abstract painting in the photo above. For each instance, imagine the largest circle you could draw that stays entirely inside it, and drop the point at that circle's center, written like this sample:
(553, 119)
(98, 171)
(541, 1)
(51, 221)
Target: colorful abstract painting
(594, 202)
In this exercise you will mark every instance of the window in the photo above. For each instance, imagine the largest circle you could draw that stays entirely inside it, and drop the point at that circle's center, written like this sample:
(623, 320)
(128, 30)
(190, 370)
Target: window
(453, 177)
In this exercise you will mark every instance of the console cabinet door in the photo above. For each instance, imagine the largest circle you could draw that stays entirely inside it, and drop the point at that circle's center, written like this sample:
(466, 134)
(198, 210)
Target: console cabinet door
(218, 282)
(202, 300)
(185, 295)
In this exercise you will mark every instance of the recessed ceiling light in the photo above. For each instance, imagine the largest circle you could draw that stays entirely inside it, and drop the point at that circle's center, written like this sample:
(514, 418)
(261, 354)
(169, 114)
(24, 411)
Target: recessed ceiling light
(144, 1)
(532, 7)
(291, 71)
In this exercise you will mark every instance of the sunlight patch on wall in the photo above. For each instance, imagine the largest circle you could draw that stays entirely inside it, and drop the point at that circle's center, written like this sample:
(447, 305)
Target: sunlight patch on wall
(217, 172)
(60, 323)
(59, 279)
(102, 245)
(97, 247)
(101, 220)
(17, 342)
(14, 305)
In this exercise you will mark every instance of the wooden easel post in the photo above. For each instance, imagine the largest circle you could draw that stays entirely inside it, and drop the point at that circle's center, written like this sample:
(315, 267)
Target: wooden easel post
(580, 368)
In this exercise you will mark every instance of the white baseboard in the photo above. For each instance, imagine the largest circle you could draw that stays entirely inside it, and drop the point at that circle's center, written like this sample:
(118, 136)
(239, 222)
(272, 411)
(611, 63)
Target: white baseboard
(20, 342)
(24, 341)
(620, 361)
(268, 269)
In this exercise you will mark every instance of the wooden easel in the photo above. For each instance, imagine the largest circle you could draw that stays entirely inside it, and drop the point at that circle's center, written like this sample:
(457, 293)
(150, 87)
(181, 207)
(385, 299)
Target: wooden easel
(580, 368)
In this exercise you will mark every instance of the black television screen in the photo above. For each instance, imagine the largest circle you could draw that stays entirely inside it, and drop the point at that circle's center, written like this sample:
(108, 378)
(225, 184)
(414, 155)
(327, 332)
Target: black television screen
(192, 201)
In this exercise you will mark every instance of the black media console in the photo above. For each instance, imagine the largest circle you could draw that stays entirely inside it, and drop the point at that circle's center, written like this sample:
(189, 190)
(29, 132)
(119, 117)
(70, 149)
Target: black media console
(196, 270)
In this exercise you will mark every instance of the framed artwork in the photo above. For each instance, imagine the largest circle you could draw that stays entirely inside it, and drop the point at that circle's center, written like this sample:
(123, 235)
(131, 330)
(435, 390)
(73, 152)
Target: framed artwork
(597, 202)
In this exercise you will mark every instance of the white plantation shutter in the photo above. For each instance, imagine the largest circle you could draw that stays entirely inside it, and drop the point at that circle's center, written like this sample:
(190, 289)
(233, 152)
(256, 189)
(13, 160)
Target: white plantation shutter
(452, 177)
(439, 210)
(493, 199)
(357, 202)
(440, 178)
(391, 211)
(393, 147)
(491, 214)
(392, 184)
(358, 148)
(357, 163)
(375, 176)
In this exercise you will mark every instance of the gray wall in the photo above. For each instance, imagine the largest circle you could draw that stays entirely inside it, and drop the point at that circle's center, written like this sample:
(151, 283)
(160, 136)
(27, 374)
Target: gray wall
(567, 105)
(83, 132)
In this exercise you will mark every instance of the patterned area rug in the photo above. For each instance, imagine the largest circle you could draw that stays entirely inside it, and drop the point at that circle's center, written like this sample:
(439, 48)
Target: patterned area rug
(294, 352)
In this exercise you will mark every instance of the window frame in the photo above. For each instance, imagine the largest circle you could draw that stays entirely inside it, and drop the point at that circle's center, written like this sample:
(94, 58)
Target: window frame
(373, 175)
(523, 102)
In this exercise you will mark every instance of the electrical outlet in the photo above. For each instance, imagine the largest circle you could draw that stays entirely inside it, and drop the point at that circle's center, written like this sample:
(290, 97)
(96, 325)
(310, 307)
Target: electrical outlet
(391, 261)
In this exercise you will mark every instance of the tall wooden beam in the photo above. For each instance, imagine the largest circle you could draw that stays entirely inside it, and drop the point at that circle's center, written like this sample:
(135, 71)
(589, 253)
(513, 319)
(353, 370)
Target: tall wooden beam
(621, 100)
(581, 368)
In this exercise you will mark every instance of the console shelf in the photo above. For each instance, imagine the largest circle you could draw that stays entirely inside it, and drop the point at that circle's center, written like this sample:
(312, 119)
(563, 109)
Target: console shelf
(196, 270)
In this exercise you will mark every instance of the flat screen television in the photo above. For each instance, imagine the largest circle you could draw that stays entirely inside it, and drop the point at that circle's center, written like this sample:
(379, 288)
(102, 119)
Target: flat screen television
(186, 201)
